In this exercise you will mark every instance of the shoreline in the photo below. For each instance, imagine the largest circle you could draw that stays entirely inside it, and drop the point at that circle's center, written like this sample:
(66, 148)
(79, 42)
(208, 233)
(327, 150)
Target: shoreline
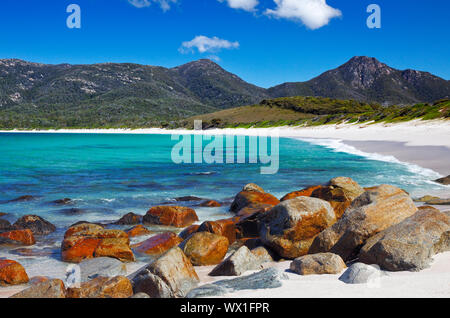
(422, 143)
(399, 284)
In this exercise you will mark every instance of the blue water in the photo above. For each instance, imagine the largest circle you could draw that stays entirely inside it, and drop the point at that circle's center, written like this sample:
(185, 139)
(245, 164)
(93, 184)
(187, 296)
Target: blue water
(109, 175)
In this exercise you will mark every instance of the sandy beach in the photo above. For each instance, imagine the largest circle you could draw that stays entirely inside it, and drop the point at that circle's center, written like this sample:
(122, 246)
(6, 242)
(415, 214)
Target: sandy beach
(425, 144)
(429, 283)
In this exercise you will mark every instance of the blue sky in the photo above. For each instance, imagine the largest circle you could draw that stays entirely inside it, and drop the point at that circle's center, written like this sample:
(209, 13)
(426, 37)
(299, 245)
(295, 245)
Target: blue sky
(267, 44)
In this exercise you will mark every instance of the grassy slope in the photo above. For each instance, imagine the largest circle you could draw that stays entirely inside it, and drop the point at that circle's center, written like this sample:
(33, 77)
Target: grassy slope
(317, 111)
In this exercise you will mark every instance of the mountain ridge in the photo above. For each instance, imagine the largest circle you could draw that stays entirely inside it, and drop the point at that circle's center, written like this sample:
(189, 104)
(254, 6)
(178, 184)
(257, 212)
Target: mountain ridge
(129, 94)
(368, 80)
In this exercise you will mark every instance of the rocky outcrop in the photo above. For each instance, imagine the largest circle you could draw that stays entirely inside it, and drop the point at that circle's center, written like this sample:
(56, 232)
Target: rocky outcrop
(177, 216)
(210, 204)
(321, 263)
(224, 227)
(205, 248)
(158, 244)
(262, 254)
(138, 230)
(444, 180)
(171, 275)
(101, 267)
(339, 192)
(254, 208)
(48, 289)
(252, 187)
(410, 244)
(12, 273)
(38, 279)
(188, 198)
(36, 224)
(248, 226)
(86, 240)
(22, 237)
(72, 211)
(265, 279)
(188, 231)
(431, 200)
(64, 201)
(5, 225)
(103, 287)
(24, 198)
(439, 202)
(290, 227)
(237, 263)
(301, 193)
(129, 219)
(360, 273)
(374, 211)
(34, 252)
(252, 194)
(425, 198)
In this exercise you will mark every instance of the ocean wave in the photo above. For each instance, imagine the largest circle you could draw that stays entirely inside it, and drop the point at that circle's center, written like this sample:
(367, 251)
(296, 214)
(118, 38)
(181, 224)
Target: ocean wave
(339, 146)
(206, 173)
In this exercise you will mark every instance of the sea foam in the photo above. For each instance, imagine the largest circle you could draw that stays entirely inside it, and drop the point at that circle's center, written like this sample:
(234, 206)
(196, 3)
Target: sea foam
(338, 145)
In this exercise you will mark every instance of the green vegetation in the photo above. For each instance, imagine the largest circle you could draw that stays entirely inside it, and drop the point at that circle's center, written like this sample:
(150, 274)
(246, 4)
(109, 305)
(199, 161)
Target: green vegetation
(109, 95)
(115, 95)
(314, 111)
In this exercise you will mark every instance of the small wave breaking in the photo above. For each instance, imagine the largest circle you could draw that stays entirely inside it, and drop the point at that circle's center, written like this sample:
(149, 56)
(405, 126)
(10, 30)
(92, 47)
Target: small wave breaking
(339, 146)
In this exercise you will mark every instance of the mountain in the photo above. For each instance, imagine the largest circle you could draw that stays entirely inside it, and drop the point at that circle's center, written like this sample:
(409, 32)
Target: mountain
(216, 87)
(366, 79)
(34, 95)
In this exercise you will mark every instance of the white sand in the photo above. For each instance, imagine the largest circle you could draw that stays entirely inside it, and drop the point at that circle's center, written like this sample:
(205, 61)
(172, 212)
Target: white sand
(430, 283)
(413, 133)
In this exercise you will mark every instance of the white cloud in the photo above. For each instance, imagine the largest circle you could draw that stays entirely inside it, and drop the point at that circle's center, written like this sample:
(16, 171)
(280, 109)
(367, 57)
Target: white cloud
(313, 13)
(165, 4)
(205, 44)
(247, 5)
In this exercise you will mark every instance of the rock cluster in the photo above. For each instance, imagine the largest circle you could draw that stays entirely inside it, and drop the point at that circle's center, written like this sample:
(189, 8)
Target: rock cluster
(375, 210)
(321, 229)
(290, 227)
(12, 273)
(158, 244)
(252, 194)
(410, 244)
(321, 263)
(205, 248)
(177, 216)
(171, 275)
(88, 240)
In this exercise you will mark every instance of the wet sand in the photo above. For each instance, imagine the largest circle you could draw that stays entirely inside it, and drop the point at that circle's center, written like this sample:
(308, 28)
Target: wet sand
(436, 158)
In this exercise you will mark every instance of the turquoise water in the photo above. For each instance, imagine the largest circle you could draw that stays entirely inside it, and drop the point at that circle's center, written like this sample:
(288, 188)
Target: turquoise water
(109, 175)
